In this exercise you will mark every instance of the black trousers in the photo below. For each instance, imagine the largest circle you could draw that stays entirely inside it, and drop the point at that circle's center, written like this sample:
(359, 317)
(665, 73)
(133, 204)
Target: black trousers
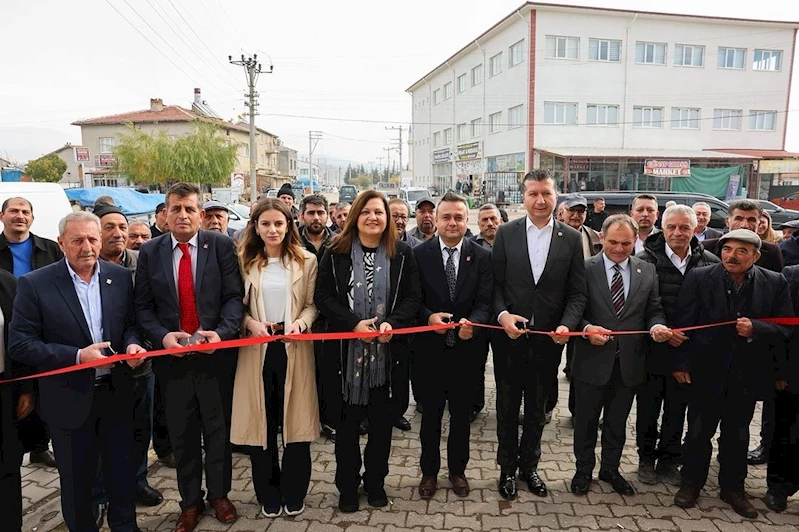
(525, 367)
(273, 484)
(590, 399)
(328, 382)
(107, 434)
(767, 422)
(482, 360)
(34, 433)
(161, 444)
(454, 373)
(705, 411)
(661, 391)
(11, 501)
(552, 399)
(195, 415)
(380, 413)
(783, 467)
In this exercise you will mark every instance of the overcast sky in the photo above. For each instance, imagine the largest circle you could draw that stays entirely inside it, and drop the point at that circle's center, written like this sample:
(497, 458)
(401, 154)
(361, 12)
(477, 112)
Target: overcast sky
(348, 61)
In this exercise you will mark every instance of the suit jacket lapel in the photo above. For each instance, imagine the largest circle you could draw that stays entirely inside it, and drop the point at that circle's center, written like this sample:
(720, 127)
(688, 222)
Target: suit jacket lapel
(67, 289)
(555, 246)
(106, 301)
(202, 258)
(757, 291)
(521, 229)
(635, 282)
(439, 273)
(167, 264)
(601, 278)
(463, 265)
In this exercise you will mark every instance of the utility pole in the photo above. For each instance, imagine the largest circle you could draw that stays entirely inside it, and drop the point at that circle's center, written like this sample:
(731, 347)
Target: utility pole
(399, 140)
(252, 68)
(313, 139)
(379, 165)
(388, 162)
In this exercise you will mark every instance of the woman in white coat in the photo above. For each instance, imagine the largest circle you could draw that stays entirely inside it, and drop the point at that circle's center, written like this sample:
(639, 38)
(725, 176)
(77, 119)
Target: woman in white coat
(276, 381)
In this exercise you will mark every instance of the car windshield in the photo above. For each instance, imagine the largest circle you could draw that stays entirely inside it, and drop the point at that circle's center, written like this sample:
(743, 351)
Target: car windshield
(768, 205)
(241, 210)
(347, 190)
(416, 195)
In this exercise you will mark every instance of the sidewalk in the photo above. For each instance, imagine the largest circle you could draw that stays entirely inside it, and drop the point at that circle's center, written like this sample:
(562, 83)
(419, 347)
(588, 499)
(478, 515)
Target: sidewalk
(484, 510)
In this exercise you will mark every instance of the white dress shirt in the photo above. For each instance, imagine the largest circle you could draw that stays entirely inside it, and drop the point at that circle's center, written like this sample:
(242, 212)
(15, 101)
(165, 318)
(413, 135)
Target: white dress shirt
(177, 254)
(538, 241)
(639, 244)
(274, 285)
(681, 264)
(92, 305)
(701, 236)
(456, 257)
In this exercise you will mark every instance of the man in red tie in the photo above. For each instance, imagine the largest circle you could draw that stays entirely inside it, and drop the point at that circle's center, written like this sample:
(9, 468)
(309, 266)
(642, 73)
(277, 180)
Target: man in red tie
(189, 289)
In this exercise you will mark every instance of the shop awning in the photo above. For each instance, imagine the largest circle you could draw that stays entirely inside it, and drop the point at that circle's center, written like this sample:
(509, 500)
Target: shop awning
(639, 153)
(761, 154)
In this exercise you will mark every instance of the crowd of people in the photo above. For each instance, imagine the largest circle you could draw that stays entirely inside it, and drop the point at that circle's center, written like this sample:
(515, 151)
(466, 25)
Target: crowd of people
(548, 282)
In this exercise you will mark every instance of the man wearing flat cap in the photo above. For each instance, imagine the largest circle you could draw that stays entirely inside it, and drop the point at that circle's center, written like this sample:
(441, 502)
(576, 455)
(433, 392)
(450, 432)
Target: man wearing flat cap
(728, 367)
(790, 246)
(788, 229)
(216, 218)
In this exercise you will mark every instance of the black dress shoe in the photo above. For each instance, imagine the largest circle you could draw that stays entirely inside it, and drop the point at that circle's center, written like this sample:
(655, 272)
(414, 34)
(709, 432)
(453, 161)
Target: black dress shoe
(507, 486)
(473, 415)
(363, 428)
(402, 424)
(776, 501)
(45, 457)
(377, 497)
(580, 483)
(534, 482)
(619, 484)
(329, 431)
(758, 455)
(149, 496)
(548, 417)
(99, 510)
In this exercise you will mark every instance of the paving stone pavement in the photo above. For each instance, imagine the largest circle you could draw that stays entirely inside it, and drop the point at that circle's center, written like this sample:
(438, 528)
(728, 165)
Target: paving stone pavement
(651, 509)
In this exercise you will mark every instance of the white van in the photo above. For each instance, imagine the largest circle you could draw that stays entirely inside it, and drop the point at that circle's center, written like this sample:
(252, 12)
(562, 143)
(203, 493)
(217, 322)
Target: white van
(412, 195)
(49, 201)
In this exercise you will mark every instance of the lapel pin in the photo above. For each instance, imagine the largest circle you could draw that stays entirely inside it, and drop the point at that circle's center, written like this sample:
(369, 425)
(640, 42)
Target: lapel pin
(205, 245)
(379, 268)
(638, 270)
(469, 258)
(108, 281)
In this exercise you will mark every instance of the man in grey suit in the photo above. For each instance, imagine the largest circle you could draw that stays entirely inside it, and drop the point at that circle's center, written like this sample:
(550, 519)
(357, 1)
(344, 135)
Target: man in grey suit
(622, 296)
(539, 284)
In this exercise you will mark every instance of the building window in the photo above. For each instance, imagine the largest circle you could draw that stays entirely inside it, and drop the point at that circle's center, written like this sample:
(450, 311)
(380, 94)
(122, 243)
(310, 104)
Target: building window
(476, 123)
(462, 132)
(602, 115)
(731, 58)
(436, 96)
(762, 120)
(560, 113)
(689, 55)
(647, 116)
(516, 53)
(436, 139)
(106, 143)
(767, 60)
(448, 136)
(562, 47)
(650, 53)
(462, 83)
(604, 50)
(727, 119)
(477, 75)
(494, 124)
(495, 65)
(447, 90)
(516, 116)
(684, 118)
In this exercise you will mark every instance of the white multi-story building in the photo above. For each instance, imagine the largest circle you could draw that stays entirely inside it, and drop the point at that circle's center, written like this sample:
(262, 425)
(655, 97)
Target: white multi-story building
(604, 96)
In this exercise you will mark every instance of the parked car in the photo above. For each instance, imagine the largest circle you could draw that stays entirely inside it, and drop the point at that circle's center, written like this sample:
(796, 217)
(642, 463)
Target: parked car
(412, 195)
(347, 193)
(779, 215)
(238, 215)
(621, 202)
(271, 193)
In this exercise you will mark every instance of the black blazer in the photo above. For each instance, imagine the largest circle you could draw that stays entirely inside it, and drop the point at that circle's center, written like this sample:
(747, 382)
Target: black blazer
(559, 297)
(48, 327)
(45, 252)
(218, 289)
(717, 357)
(330, 297)
(770, 254)
(10, 445)
(473, 288)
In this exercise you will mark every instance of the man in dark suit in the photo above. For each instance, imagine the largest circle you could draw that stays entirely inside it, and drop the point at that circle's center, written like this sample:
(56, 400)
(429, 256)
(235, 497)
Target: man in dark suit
(160, 227)
(539, 284)
(188, 282)
(729, 367)
(75, 311)
(622, 296)
(457, 283)
(702, 231)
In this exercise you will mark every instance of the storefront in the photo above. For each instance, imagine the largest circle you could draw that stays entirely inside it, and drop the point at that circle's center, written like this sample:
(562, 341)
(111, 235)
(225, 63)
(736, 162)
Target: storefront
(469, 165)
(503, 177)
(442, 170)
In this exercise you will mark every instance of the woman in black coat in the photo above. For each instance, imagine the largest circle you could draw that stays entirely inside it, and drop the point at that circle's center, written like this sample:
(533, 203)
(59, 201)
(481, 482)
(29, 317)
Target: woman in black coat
(367, 281)
(16, 402)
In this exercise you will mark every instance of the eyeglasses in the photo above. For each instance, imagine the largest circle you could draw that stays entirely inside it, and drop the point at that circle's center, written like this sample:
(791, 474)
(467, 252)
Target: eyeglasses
(399, 217)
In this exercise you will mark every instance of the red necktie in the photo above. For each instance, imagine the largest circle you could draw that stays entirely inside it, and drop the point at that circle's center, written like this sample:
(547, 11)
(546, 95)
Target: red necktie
(189, 322)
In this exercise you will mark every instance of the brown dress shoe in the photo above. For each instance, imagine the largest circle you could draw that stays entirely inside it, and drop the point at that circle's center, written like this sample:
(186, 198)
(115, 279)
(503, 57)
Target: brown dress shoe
(739, 502)
(686, 496)
(427, 487)
(459, 485)
(225, 511)
(189, 519)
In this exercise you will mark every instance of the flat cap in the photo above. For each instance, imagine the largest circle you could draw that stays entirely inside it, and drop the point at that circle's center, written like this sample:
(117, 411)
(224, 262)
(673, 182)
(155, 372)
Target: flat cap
(742, 235)
(573, 200)
(103, 209)
(211, 205)
(426, 199)
(791, 224)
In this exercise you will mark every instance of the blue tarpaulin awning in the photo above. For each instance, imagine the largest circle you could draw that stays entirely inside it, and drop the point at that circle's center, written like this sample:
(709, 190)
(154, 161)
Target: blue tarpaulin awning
(128, 200)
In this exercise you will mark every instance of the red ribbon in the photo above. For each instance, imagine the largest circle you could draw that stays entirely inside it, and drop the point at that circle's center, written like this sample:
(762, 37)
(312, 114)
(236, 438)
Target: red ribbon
(255, 340)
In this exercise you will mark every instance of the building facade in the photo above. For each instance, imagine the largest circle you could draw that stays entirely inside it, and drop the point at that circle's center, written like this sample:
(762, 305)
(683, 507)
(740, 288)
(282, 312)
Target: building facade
(287, 163)
(606, 99)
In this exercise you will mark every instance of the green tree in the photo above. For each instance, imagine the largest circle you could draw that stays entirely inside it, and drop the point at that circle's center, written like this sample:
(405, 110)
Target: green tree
(49, 168)
(362, 182)
(203, 156)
